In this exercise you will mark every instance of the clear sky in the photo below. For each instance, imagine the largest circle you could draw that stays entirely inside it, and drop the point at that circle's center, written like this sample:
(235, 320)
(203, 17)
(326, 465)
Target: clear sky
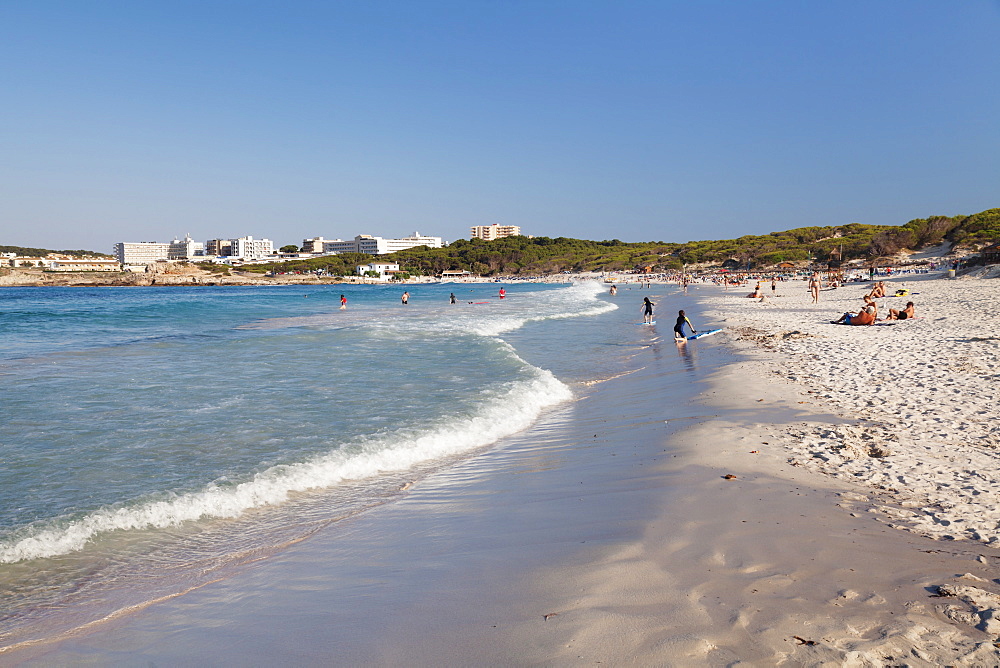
(132, 120)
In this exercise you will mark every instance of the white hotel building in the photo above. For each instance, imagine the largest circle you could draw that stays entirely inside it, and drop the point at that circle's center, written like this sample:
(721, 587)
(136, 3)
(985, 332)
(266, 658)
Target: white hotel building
(141, 253)
(385, 270)
(249, 248)
(494, 231)
(366, 243)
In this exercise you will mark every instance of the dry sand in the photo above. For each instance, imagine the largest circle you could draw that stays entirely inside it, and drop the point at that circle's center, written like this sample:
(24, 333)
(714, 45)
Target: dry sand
(780, 529)
(921, 396)
(905, 415)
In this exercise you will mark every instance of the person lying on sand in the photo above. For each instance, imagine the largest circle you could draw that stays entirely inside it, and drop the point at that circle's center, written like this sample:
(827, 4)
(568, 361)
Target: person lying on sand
(866, 316)
(903, 314)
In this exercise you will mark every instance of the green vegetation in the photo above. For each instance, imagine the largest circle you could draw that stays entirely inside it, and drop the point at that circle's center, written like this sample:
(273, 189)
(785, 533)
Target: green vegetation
(979, 228)
(42, 252)
(344, 264)
(221, 269)
(543, 255)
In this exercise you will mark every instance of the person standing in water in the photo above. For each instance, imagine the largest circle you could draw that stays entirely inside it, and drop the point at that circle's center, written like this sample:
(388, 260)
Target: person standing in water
(647, 310)
(503, 293)
(453, 299)
(406, 298)
(343, 303)
(614, 290)
(679, 327)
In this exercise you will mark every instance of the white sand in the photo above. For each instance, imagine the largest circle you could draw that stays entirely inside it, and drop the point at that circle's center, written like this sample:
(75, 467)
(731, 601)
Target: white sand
(921, 396)
(906, 415)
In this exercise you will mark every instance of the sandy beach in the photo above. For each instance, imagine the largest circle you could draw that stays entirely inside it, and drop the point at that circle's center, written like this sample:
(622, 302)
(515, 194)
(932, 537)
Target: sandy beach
(919, 396)
(788, 492)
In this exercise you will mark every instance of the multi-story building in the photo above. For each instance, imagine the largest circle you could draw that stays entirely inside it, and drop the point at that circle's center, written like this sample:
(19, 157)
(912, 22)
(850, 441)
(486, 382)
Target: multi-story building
(219, 247)
(314, 245)
(393, 245)
(366, 243)
(249, 248)
(140, 253)
(186, 248)
(494, 231)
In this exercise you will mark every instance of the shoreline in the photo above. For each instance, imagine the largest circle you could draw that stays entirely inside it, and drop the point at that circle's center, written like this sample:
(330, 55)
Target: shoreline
(598, 536)
(204, 279)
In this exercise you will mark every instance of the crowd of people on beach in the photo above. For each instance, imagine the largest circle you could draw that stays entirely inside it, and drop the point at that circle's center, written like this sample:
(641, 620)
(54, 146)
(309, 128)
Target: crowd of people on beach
(868, 313)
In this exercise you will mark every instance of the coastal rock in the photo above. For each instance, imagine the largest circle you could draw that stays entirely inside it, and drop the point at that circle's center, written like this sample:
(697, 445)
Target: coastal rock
(158, 274)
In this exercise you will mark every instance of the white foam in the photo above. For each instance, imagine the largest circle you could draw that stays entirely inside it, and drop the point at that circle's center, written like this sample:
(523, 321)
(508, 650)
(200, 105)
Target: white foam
(511, 412)
(583, 296)
(508, 413)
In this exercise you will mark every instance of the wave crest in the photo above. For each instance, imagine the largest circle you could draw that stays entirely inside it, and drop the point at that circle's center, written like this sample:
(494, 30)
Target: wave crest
(509, 413)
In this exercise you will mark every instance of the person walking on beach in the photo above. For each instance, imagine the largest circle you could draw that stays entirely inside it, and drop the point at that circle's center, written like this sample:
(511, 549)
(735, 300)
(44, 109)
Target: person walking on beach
(774, 286)
(406, 298)
(814, 287)
(647, 310)
(679, 326)
(453, 300)
(343, 303)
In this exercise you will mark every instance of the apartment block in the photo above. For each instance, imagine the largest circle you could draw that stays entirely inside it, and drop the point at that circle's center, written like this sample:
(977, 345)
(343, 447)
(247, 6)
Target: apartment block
(140, 253)
(219, 247)
(314, 245)
(494, 231)
(372, 245)
(249, 248)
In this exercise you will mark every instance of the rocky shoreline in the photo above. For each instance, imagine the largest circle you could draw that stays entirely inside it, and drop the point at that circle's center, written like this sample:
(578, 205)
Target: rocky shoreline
(176, 276)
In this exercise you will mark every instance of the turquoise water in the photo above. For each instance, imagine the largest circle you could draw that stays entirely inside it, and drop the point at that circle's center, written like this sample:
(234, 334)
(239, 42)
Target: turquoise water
(155, 437)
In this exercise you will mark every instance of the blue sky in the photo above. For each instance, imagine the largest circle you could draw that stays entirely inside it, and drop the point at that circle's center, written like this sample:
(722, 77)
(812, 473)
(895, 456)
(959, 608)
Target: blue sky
(137, 121)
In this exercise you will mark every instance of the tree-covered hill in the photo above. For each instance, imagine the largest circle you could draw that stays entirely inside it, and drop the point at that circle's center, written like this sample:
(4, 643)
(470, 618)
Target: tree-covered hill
(544, 255)
(42, 252)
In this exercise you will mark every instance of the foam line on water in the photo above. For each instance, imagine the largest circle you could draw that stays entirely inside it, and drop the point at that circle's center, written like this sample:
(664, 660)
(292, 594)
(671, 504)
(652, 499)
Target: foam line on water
(580, 295)
(510, 412)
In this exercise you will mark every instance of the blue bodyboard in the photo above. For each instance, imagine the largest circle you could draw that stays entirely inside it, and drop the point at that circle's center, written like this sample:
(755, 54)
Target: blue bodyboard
(701, 334)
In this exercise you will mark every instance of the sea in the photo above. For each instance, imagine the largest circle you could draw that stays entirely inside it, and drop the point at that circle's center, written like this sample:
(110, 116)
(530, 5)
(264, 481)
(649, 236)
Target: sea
(155, 439)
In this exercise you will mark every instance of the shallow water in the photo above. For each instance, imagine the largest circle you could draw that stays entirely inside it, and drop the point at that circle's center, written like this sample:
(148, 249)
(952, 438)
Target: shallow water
(158, 439)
